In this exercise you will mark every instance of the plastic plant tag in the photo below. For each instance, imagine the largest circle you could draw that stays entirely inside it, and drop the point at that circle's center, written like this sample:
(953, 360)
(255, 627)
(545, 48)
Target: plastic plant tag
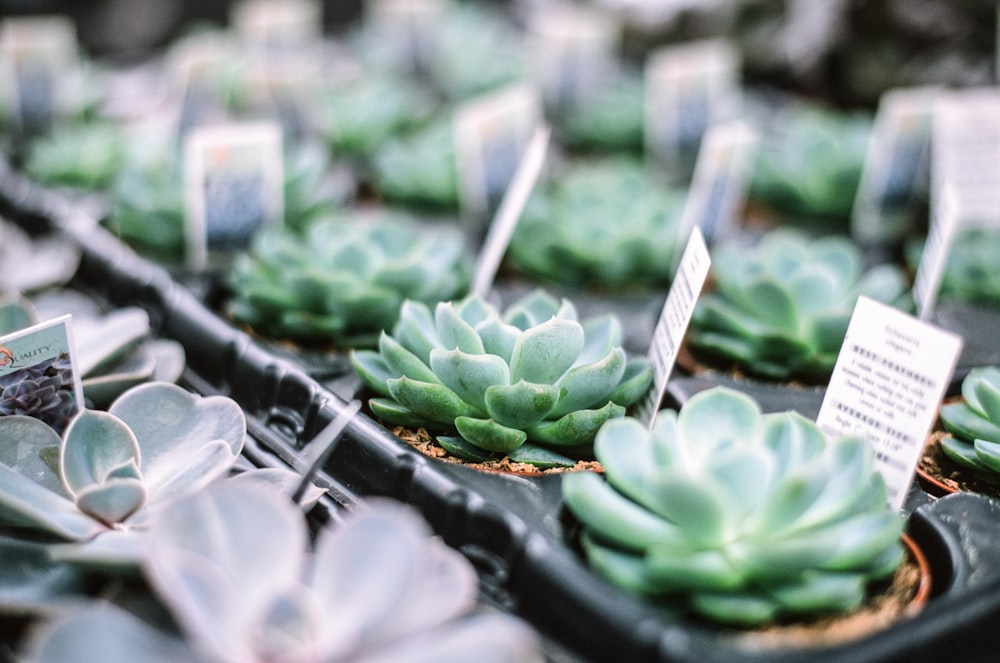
(39, 69)
(500, 231)
(897, 166)
(937, 248)
(688, 89)
(572, 51)
(674, 320)
(39, 375)
(233, 186)
(720, 180)
(406, 29)
(890, 377)
(491, 134)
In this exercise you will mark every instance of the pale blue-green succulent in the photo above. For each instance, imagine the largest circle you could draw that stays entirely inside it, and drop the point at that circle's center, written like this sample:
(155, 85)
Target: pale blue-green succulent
(234, 567)
(533, 376)
(974, 424)
(780, 309)
(735, 515)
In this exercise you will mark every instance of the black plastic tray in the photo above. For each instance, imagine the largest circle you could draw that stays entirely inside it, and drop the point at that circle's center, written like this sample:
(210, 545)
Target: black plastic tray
(513, 528)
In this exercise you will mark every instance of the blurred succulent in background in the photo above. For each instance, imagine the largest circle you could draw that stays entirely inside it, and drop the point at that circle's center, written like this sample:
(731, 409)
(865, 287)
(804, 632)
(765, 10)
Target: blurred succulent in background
(233, 566)
(29, 264)
(974, 423)
(80, 155)
(809, 163)
(780, 310)
(148, 198)
(971, 273)
(609, 117)
(509, 383)
(735, 515)
(604, 223)
(344, 280)
(418, 168)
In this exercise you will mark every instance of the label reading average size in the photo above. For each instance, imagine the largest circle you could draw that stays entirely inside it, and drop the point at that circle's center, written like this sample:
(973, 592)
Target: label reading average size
(890, 377)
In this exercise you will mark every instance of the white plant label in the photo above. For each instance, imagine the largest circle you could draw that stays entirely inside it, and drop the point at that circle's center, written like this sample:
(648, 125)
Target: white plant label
(688, 89)
(45, 356)
(233, 186)
(720, 180)
(937, 248)
(897, 166)
(674, 320)
(39, 68)
(502, 229)
(491, 135)
(571, 50)
(887, 384)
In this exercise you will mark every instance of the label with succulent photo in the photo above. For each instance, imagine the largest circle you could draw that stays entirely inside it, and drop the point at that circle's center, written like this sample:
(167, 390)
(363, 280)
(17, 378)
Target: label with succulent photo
(688, 89)
(896, 172)
(233, 186)
(491, 135)
(890, 377)
(39, 375)
(39, 69)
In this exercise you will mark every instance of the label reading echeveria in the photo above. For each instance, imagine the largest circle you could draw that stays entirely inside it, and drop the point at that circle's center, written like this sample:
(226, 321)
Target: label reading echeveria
(888, 382)
(39, 67)
(491, 135)
(720, 180)
(674, 320)
(937, 248)
(500, 231)
(896, 172)
(688, 89)
(572, 51)
(38, 374)
(233, 180)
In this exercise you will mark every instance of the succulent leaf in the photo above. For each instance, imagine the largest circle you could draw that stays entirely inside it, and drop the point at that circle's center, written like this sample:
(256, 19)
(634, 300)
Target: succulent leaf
(546, 351)
(468, 375)
(521, 404)
(434, 402)
(974, 423)
(96, 447)
(490, 435)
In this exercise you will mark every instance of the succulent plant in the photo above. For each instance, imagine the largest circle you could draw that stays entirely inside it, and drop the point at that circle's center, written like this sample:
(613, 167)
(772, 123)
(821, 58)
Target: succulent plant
(509, 383)
(809, 162)
(148, 198)
(610, 117)
(343, 281)
(974, 423)
(110, 470)
(234, 567)
(80, 155)
(735, 515)
(418, 168)
(970, 273)
(605, 222)
(780, 310)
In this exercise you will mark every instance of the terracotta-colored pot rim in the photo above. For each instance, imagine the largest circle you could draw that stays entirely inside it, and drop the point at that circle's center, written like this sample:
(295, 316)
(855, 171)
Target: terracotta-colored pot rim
(926, 583)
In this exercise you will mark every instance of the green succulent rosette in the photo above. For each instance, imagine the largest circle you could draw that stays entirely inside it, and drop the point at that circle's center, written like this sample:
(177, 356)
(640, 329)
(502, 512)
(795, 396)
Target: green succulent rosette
(604, 223)
(735, 515)
(972, 273)
(344, 279)
(418, 168)
(974, 424)
(148, 199)
(532, 382)
(809, 163)
(85, 155)
(780, 310)
(611, 117)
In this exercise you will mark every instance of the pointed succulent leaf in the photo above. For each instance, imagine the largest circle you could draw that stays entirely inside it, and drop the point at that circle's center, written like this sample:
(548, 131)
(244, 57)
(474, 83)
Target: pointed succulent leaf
(468, 375)
(540, 457)
(965, 423)
(634, 383)
(373, 370)
(403, 362)
(461, 448)
(415, 329)
(454, 332)
(703, 570)
(963, 453)
(521, 404)
(431, 401)
(533, 309)
(490, 435)
(986, 398)
(626, 454)
(97, 445)
(988, 453)
(546, 351)
(498, 338)
(601, 334)
(716, 417)
(396, 414)
(587, 385)
(576, 428)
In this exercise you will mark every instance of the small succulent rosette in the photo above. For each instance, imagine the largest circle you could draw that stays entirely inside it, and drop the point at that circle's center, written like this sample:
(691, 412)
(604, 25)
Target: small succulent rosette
(417, 168)
(735, 515)
(80, 155)
(533, 382)
(974, 424)
(609, 117)
(972, 273)
(343, 281)
(779, 310)
(809, 163)
(604, 223)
